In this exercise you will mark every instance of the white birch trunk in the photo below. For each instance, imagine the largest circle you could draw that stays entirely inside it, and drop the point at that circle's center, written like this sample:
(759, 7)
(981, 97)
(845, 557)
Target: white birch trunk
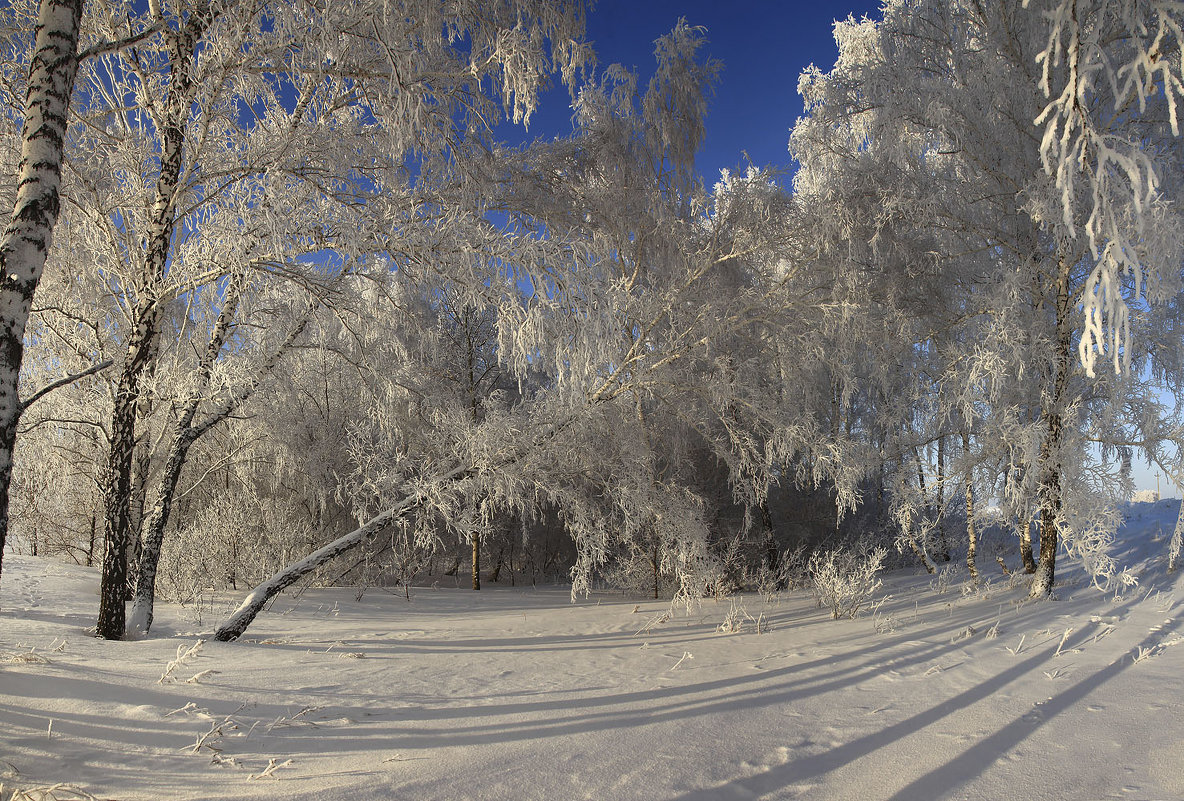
(237, 623)
(24, 246)
(187, 433)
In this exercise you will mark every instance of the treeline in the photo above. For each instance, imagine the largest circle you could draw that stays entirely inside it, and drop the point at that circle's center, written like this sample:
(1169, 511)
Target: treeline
(304, 316)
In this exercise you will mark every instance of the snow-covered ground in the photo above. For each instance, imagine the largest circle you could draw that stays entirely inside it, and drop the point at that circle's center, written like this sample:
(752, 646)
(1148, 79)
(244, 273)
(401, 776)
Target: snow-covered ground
(519, 694)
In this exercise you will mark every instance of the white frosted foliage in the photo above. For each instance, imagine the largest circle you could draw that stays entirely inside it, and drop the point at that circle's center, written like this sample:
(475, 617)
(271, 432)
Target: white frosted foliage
(1105, 67)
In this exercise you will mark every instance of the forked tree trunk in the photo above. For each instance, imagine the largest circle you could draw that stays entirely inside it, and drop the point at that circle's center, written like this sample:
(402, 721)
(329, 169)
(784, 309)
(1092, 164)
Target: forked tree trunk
(117, 475)
(24, 245)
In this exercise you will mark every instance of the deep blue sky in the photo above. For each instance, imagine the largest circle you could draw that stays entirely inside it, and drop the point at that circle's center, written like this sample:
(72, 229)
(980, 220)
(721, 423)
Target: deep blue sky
(764, 46)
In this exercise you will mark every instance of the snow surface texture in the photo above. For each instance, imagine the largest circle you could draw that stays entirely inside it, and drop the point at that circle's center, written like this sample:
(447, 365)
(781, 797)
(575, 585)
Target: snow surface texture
(940, 691)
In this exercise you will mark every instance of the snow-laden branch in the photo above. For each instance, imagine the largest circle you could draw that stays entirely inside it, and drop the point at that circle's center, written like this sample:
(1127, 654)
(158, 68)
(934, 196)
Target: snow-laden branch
(62, 382)
(1111, 72)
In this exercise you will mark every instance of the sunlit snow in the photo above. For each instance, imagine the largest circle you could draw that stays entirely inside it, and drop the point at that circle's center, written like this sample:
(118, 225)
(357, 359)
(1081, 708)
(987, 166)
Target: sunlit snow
(519, 694)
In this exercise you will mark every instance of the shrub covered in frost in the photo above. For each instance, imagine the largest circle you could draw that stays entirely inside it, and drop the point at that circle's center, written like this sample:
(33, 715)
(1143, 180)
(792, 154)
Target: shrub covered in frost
(1174, 544)
(789, 572)
(844, 579)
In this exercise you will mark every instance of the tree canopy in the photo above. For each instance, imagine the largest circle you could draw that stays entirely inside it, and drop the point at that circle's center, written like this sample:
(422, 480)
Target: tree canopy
(305, 310)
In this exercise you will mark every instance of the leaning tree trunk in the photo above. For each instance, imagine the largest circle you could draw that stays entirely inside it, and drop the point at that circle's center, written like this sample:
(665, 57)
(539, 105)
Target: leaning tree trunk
(237, 623)
(920, 554)
(24, 245)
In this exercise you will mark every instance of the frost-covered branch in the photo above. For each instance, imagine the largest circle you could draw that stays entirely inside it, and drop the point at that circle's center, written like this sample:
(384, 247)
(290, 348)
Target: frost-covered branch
(1113, 76)
(62, 382)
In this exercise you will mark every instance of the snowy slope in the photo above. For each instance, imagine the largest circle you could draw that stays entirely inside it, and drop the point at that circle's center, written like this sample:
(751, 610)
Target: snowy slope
(519, 694)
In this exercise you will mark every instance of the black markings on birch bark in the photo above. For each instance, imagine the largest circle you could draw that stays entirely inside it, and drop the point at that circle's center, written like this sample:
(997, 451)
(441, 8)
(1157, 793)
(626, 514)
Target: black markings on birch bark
(25, 242)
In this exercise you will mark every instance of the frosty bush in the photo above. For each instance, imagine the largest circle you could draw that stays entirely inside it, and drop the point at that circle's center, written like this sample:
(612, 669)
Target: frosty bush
(735, 618)
(844, 579)
(945, 578)
(790, 572)
(637, 572)
(725, 575)
(1174, 544)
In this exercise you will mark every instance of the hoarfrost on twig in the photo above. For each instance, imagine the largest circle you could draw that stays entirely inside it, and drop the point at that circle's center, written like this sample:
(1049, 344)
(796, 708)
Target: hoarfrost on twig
(269, 771)
(184, 656)
(197, 677)
(54, 792)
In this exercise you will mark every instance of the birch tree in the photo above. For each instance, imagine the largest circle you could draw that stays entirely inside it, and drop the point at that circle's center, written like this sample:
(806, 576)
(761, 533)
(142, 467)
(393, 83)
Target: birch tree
(619, 283)
(927, 123)
(1103, 61)
(247, 136)
(25, 243)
